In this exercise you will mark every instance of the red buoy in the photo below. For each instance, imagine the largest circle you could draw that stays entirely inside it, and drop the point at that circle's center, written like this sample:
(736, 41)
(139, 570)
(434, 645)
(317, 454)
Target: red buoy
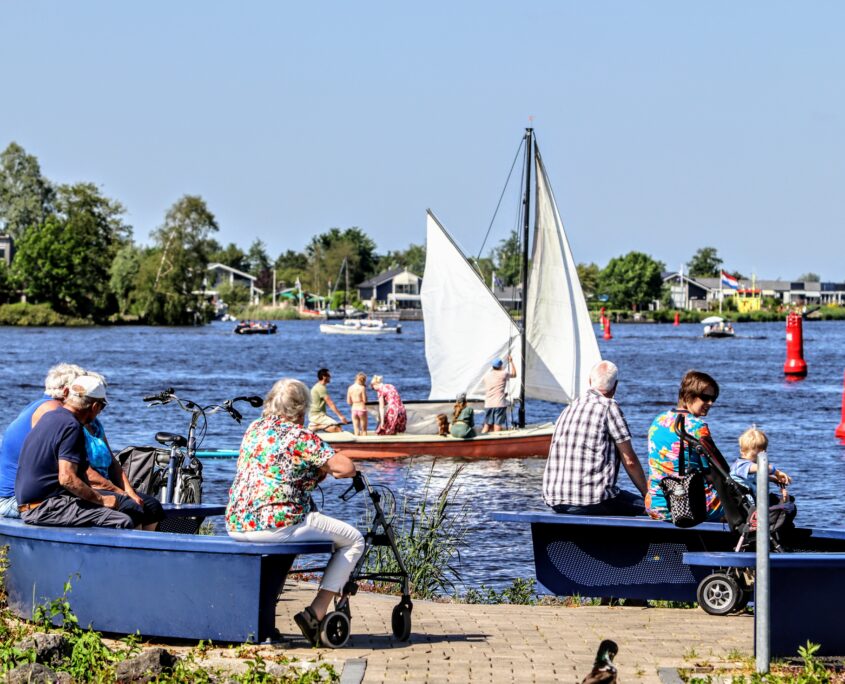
(795, 364)
(677, 319)
(607, 334)
(840, 431)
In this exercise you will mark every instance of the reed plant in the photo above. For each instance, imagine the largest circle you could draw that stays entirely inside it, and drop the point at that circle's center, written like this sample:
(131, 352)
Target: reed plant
(431, 530)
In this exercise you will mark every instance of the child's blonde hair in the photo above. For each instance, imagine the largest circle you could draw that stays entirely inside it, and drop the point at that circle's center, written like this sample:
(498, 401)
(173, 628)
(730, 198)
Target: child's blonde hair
(361, 378)
(753, 441)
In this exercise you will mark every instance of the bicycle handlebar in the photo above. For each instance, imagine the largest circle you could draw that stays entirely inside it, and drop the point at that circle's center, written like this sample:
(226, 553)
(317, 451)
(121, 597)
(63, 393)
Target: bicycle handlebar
(168, 395)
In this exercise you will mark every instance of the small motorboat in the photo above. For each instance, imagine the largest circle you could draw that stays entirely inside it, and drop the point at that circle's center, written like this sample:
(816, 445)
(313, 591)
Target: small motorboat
(716, 326)
(255, 328)
(360, 326)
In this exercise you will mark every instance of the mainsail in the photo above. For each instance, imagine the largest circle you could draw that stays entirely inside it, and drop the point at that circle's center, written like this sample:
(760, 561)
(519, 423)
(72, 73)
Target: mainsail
(562, 345)
(466, 327)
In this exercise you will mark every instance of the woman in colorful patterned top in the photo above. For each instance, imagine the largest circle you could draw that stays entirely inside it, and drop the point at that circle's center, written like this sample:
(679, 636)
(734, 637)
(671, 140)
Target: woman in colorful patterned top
(279, 465)
(697, 393)
(391, 411)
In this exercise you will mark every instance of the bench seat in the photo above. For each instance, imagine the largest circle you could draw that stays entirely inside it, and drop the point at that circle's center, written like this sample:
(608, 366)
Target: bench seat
(807, 598)
(634, 557)
(167, 585)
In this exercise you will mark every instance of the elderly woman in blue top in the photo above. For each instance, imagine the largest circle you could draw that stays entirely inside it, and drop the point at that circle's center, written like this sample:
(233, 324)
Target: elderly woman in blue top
(280, 464)
(55, 390)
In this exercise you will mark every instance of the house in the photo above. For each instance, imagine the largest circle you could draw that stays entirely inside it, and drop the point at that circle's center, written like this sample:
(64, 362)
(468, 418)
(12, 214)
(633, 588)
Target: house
(395, 289)
(698, 293)
(7, 249)
(218, 274)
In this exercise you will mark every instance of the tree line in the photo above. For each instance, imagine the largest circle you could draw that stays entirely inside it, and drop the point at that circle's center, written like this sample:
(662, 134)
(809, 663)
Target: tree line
(75, 252)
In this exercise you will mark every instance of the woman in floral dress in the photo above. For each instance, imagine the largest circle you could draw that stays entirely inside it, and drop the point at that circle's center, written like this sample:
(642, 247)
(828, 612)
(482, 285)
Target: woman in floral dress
(279, 465)
(696, 396)
(391, 411)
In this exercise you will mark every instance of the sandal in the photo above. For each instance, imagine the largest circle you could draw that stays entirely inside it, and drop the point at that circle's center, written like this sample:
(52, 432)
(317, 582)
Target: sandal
(309, 625)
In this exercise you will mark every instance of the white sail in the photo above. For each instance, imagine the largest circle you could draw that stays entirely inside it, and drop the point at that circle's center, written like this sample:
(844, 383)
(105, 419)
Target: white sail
(466, 327)
(562, 346)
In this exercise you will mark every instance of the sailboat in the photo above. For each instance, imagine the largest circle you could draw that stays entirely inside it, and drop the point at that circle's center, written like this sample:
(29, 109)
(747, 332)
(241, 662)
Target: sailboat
(466, 328)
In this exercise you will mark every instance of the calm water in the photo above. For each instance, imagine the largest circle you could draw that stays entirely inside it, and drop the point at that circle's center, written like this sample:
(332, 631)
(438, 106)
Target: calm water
(211, 364)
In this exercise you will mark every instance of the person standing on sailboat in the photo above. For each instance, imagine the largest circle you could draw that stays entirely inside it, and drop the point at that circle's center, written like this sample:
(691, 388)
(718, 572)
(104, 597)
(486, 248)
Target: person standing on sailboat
(495, 398)
(590, 440)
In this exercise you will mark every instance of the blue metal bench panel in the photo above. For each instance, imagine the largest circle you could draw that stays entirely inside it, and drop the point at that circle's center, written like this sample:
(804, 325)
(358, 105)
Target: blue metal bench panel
(807, 598)
(168, 585)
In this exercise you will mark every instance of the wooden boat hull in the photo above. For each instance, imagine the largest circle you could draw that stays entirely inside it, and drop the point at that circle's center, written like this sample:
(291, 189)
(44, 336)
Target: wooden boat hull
(526, 443)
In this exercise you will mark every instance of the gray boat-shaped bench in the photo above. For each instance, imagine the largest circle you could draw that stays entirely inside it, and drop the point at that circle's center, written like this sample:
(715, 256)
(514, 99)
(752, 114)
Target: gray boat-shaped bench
(159, 584)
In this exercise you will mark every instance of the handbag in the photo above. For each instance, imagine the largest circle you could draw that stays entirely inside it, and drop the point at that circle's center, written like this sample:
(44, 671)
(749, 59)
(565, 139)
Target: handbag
(685, 494)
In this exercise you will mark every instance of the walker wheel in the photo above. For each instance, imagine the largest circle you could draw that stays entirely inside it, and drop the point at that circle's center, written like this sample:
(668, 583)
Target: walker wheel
(719, 594)
(401, 620)
(334, 629)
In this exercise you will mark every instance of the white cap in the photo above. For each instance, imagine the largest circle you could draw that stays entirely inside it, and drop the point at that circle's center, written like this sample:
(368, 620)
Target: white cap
(89, 387)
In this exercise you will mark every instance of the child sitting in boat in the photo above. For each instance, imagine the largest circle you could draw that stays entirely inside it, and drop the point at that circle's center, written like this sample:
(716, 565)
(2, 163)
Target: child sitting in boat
(752, 443)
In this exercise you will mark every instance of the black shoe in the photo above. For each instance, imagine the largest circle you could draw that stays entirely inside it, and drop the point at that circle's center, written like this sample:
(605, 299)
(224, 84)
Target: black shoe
(308, 624)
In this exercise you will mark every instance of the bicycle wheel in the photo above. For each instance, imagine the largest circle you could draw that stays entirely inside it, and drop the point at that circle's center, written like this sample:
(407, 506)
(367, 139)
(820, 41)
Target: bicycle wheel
(191, 490)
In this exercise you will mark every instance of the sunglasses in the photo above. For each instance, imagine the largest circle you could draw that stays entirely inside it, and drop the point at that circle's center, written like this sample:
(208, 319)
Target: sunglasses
(706, 396)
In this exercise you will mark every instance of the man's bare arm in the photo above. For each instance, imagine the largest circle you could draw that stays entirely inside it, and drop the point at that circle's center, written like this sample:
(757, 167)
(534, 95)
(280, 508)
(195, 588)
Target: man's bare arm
(632, 466)
(334, 408)
(70, 480)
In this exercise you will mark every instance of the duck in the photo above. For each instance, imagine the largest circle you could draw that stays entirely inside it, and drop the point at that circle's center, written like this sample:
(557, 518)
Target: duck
(604, 671)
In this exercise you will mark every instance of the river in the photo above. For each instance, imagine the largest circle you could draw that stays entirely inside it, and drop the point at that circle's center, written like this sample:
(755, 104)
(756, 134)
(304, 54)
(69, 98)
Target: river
(210, 364)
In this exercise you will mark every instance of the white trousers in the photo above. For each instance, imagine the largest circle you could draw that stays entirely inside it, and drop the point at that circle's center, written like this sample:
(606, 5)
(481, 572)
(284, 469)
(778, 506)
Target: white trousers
(348, 544)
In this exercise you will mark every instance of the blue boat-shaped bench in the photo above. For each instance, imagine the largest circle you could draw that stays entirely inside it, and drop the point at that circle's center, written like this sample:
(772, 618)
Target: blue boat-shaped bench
(640, 558)
(167, 585)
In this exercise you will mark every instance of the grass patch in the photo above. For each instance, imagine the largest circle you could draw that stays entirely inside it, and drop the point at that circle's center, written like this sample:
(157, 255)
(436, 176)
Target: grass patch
(37, 315)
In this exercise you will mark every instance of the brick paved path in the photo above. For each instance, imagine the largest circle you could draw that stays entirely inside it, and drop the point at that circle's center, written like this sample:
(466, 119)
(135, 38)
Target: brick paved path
(472, 643)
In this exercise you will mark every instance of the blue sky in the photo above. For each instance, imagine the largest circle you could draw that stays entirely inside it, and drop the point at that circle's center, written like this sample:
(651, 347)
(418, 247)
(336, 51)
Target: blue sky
(665, 126)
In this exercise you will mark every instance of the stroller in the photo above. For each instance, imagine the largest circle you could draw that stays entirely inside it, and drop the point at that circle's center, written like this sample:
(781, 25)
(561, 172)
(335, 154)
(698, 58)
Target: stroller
(335, 626)
(725, 591)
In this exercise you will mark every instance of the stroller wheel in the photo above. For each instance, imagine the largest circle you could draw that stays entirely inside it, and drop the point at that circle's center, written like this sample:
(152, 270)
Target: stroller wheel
(718, 594)
(334, 629)
(401, 620)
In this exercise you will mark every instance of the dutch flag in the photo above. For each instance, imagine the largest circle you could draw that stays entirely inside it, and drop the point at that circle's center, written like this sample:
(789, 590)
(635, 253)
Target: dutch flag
(729, 281)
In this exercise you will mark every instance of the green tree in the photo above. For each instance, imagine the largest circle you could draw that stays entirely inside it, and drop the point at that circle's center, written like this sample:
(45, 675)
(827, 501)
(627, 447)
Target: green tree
(589, 274)
(705, 263)
(633, 280)
(231, 255)
(260, 266)
(123, 279)
(66, 260)
(412, 258)
(25, 195)
(327, 251)
(235, 295)
(809, 278)
(290, 265)
(172, 293)
(507, 259)
(7, 289)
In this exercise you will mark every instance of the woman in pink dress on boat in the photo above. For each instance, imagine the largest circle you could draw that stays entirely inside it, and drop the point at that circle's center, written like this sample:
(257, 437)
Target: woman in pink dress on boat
(391, 410)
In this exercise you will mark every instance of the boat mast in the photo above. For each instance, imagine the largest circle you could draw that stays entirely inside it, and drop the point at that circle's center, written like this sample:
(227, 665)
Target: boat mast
(526, 205)
(346, 290)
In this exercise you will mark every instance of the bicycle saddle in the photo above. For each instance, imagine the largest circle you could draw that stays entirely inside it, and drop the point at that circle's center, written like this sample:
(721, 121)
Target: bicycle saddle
(168, 438)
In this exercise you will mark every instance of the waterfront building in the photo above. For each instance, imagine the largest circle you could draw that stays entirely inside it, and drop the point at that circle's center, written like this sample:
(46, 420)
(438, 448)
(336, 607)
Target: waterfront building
(218, 274)
(392, 290)
(7, 249)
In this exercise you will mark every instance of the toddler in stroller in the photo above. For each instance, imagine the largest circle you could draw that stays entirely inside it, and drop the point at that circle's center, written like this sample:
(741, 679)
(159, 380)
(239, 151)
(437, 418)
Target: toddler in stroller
(725, 591)
(736, 494)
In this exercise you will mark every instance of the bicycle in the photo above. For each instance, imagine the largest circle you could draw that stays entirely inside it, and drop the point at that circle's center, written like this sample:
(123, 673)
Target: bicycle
(177, 473)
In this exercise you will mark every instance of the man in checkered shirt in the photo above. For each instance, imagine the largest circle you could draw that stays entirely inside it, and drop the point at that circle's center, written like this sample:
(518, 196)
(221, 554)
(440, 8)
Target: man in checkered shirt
(590, 440)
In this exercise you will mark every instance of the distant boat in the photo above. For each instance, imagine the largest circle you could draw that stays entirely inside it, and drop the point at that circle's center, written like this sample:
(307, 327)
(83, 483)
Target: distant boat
(360, 326)
(716, 326)
(255, 328)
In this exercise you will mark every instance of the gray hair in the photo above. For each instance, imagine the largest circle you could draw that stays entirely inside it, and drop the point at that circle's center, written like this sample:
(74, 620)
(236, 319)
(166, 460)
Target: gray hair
(288, 398)
(59, 377)
(604, 376)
